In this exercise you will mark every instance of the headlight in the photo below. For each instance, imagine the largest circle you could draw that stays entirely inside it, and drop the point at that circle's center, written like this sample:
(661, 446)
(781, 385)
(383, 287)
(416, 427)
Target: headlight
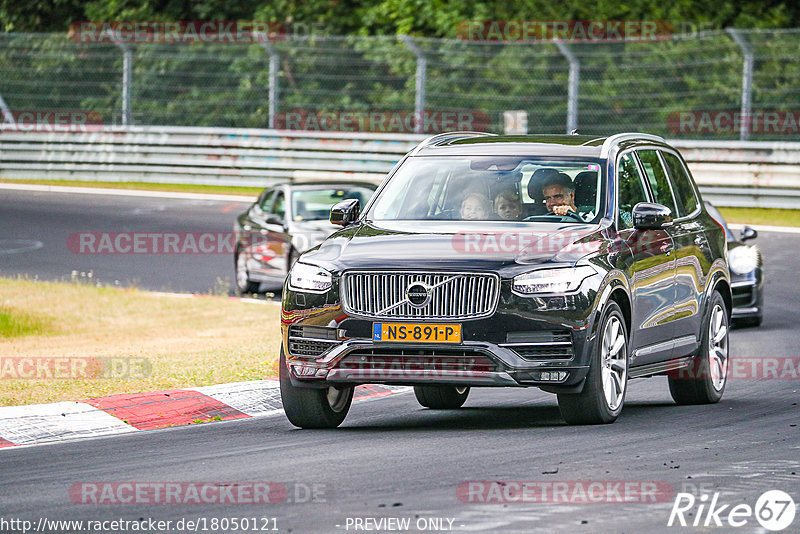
(306, 277)
(552, 280)
(743, 259)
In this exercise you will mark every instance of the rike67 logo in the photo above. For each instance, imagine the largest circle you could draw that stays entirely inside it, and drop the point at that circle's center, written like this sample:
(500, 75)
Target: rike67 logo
(774, 510)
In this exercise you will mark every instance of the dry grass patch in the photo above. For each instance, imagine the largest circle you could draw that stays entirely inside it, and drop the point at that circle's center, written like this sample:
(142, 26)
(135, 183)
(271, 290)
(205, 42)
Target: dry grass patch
(186, 341)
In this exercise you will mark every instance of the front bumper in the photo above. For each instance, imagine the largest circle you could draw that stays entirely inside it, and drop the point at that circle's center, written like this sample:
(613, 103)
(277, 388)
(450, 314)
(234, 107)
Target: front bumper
(526, 342)
(359, 361)
(748, 296)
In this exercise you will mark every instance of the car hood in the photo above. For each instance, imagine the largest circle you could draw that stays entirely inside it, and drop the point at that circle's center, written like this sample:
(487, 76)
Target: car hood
(435, 245)
(315, 226)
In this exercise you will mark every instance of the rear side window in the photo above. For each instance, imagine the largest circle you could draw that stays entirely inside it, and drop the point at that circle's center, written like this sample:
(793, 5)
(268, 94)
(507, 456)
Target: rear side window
(682, 184)
(631, 190)
(657, 178)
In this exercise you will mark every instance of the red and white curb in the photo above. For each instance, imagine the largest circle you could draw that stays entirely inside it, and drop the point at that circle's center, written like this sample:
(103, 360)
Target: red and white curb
(134, 412)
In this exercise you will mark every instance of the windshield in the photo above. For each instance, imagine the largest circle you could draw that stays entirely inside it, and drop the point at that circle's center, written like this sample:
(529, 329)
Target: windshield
(316, 204)
(493, 188)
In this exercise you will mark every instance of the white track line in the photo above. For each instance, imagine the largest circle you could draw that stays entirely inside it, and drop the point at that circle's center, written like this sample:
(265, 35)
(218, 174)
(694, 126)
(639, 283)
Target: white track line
(125, 192)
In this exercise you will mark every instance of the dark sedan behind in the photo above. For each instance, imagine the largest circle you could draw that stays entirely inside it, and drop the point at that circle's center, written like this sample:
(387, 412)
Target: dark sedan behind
(285, 221)
(747, 273)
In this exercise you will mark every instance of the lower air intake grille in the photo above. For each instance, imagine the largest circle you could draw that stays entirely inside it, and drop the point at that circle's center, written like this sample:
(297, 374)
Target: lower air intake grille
(556, 345)
(418, 360)
(311, 340)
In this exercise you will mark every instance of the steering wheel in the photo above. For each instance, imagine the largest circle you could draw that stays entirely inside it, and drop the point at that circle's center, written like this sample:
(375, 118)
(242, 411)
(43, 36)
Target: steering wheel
(570, 214)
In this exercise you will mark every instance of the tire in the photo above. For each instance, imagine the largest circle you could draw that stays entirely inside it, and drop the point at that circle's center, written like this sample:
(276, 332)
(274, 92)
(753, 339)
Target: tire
(243, 283)
(705, 381)
(603, 394)
(313, 408)
(441, 397)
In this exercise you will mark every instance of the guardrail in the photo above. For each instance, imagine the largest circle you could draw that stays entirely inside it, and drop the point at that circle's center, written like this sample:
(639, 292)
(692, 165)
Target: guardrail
(213, 156)
(745, 174)
(750, 174)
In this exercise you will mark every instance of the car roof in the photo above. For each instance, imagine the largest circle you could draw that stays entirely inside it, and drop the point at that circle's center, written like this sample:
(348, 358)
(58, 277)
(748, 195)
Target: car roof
(480, 144)
(308, 184)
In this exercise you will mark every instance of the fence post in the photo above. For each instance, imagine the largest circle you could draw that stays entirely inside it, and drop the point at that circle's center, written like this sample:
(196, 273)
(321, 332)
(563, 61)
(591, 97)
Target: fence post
(127, 76)
(6, 113)
(747, 83)
(574, 77)
(273, 78)
(422, 66)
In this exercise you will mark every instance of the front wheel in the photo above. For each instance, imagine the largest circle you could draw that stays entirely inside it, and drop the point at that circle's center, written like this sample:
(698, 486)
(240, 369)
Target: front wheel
(243, 283)
(313, 408)
(441, 397)
(704, 382)
(606, 384)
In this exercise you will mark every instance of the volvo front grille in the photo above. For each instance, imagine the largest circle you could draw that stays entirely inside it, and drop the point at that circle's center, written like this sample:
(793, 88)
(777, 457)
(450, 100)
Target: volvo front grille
(420, 295)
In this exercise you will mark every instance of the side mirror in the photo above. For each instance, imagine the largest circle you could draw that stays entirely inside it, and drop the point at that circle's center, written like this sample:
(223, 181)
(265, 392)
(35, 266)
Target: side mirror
(345, 212)
(651, 216)
(748, 233)
(273, 219)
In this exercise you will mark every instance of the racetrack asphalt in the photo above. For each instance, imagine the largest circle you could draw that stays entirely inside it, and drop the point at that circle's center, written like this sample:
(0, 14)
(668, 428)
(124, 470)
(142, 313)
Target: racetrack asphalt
(36, 230)
(391, 458)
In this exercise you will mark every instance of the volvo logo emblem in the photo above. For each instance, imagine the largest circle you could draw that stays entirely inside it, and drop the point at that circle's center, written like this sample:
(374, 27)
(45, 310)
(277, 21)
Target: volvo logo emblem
(418, 294)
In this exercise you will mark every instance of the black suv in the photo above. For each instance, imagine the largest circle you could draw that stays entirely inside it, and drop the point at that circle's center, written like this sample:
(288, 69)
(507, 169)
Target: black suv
(568, 263)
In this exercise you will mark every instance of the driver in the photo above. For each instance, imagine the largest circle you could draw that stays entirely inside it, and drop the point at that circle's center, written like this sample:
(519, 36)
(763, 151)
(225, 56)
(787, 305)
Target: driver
(559, 194)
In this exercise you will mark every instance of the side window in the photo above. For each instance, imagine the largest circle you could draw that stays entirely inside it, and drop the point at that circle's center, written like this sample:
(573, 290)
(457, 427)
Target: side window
(279, 208)
(266, 199)
(682, 184)
(657, 178)
(631, 190)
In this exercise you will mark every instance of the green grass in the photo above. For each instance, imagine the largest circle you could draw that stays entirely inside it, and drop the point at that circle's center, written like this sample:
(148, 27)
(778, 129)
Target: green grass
(14, 323)
(766, 216)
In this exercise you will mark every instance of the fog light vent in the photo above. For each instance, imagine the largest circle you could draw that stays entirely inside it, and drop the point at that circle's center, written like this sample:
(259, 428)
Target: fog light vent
(550, 376)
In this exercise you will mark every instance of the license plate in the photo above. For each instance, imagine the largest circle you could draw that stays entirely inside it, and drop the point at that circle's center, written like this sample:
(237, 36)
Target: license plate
(416, 333)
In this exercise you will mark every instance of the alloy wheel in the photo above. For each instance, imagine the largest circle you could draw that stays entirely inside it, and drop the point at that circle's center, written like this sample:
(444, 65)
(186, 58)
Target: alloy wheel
(614, 362)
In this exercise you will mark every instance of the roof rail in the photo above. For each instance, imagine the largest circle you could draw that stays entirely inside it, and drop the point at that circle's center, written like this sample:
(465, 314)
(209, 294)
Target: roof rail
(448, 136)
(618, 138)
